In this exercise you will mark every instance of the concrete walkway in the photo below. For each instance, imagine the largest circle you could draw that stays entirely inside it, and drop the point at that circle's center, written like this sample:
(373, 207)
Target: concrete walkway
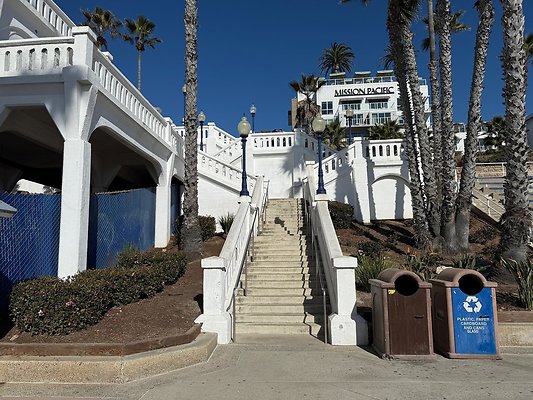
(300, 367)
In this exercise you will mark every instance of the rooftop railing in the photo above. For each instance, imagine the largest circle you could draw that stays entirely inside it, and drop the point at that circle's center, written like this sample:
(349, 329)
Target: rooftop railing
(50, 12)
(364, 81)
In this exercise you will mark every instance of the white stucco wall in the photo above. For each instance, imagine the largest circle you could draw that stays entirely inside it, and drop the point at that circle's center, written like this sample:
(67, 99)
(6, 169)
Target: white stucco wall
(215, 199)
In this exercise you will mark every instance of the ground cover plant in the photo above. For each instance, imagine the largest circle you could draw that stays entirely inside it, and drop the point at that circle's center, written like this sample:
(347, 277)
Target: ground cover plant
(52, 306)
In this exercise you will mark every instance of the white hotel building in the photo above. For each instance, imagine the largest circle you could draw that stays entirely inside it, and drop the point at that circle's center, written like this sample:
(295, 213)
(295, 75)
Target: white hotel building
(373, 99)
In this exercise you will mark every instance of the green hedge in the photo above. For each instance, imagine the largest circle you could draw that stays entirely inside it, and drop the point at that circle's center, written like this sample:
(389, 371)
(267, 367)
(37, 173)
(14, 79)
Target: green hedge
(341, 214)
(207, 223)
(52, 306)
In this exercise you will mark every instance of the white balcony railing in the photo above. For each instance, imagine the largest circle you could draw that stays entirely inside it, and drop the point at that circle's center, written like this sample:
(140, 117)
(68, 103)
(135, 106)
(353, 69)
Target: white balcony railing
(51, 13)
(222, 172)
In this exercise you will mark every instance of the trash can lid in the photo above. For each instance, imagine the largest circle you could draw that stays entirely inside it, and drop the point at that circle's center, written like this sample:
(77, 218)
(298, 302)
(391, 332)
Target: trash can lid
(388, 277)
(451, 276)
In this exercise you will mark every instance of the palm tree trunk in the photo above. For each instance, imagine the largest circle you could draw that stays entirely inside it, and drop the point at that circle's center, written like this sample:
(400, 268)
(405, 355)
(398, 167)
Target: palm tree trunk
(464, 197)
(139, 53)
(435, 107)
(448, 137)
(516, 221)
(426, 158)
(394, 26)
(191, 238)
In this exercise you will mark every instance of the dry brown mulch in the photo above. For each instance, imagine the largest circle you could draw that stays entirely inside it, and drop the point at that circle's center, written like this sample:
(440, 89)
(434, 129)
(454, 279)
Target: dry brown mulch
(169, 313)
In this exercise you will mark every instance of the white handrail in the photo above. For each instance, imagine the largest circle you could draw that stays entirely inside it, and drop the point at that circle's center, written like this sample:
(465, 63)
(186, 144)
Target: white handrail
(222, 274)
(346, 327)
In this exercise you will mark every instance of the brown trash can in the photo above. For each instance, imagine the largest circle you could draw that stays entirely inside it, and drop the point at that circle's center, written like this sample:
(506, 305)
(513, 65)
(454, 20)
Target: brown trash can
(465, 318)
(401, 315)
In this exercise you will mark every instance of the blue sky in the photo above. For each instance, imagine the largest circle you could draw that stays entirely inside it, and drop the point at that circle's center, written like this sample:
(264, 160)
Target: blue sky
(250, 50)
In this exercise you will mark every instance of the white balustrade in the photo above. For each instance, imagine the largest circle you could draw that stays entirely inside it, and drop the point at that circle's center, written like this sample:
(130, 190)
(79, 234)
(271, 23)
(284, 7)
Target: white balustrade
(393, 149)
(272, 141)
(230, 152)
(51, 13)
(346, 327)
(35, 55)
(222, 171)
(222, 274)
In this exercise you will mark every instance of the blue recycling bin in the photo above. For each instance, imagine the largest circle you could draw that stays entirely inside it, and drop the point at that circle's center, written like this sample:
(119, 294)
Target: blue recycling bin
(465, 321)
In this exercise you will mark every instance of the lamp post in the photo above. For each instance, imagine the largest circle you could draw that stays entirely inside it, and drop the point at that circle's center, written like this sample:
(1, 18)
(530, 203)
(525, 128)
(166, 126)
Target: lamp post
(244, 131)
(184, 90)
(252, 111)
(349, 116)
(318, 127)
(201, 120)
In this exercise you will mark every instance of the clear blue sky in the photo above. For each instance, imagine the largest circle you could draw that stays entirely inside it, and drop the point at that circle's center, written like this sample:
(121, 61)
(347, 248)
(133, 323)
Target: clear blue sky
(250, 50)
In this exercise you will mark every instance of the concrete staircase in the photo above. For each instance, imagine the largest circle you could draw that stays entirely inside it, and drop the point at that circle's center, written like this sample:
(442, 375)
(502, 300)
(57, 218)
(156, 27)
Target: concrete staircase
(283, 294)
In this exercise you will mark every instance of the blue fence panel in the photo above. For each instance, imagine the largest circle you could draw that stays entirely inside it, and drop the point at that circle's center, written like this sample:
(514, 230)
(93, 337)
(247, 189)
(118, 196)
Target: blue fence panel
(117, 220)
(175, 206)
(29, 241)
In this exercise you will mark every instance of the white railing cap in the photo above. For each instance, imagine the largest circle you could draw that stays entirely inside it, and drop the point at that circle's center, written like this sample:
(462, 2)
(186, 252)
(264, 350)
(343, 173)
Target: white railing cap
(84, 30)
(213, 263)
(345, 262)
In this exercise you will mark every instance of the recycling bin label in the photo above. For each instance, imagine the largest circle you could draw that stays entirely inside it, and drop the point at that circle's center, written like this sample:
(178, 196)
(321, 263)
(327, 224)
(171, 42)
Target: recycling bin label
(473, 319)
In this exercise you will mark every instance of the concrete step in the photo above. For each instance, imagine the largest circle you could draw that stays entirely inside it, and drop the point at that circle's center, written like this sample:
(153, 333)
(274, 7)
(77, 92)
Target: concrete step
(280, 318)
(282, 258)
(262, 250)
(279, 308)
(277, 291)
(249, 299)
(272, 276)
(277, 328)
(283, 284)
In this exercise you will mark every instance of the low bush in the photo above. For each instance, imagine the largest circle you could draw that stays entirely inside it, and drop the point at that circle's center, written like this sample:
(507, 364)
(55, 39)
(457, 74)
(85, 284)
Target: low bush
(470, 261)
(424, 266)
(370, 248)
(483, 235)
(226, 221)
(207, 225)
(53, 306)
(368, 267)
(523, 275)
(341, 214)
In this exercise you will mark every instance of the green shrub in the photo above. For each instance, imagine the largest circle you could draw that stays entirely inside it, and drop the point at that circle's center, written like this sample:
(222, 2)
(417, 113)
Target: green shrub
(483, 235)
(470, 261)
(368, 267)
(370, 248)
(208, 226)
(523, 275)
(424, 266)
(53, 306)
(341, 214)
(226, 221)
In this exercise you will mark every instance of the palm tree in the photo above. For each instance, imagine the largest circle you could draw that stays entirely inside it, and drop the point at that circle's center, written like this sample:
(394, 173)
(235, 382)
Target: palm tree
(388, 130)
(516, 221)
(485, 10)
(338, 58)
(191, 238)
(528, 46)
(307, 108)
(335, 135)
(102, 22)
(456, 26)
(495, 132)
(140, 35)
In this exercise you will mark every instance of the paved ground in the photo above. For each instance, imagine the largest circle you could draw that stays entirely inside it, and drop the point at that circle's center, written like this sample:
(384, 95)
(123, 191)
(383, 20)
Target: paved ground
(304, 368)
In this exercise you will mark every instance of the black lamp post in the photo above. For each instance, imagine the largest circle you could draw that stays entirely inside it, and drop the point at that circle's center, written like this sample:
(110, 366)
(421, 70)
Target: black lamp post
(252, 112)
(184, 90)
(318, 127)
(349, 116)
(201, 120)
(244, 131)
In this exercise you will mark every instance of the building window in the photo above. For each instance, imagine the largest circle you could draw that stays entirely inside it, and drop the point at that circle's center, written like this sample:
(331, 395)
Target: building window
(358, 119)
(356, 105)
(378, 104)
(327, 107)
(380, 118)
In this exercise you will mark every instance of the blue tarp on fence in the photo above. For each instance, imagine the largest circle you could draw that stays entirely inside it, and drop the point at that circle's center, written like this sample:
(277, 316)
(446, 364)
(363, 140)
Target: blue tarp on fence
(117, 220)
(29, 241)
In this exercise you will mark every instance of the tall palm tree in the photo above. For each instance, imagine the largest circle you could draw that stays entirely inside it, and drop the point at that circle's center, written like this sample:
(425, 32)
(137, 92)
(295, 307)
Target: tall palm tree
(140, 35)
(335, 135)
(338, 58)
(307, 108)
(495, 132)
(516, 221)
(485, 9)
(191, 238)
(528, 46)
(102, 22)
(456, 26)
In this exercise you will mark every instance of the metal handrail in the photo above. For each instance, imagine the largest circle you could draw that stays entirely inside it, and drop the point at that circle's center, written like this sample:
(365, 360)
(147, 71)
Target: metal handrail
(318, 269)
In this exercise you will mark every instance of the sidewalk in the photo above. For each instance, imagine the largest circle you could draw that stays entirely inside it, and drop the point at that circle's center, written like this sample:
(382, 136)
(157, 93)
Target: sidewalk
(300, 367)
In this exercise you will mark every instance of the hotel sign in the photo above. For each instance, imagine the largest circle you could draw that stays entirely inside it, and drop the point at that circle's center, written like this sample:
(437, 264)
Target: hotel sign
(364, 91)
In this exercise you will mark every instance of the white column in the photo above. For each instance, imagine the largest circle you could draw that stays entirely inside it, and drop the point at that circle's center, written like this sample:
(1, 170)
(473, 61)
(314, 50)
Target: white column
(75, 197)
(360, 180)
(162, 213)
(346, 326)
(215, 318)
(84, 39)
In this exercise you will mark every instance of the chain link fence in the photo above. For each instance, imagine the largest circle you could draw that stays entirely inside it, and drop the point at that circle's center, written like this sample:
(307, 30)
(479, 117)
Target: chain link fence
(29, 241)
(118, 220)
